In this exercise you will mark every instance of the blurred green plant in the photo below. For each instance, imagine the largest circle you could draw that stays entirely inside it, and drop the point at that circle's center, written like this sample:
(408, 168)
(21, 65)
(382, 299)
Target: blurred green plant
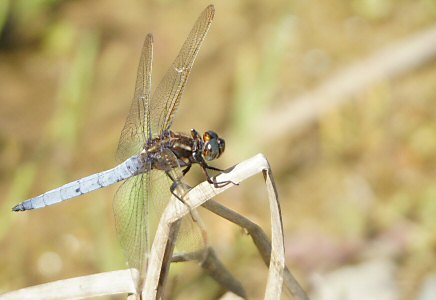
(257, 78)
(23, 179)
(4, 10)
(373, 9)
(64, 126)
(73, 94)
(25, 10)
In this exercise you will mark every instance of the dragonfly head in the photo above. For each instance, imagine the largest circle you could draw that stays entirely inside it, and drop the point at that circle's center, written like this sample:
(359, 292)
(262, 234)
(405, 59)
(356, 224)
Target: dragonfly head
(213, 146)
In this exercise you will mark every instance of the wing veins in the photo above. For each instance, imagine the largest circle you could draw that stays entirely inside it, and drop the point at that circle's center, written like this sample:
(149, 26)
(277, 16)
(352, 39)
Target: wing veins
(166, 98)
(133, 136)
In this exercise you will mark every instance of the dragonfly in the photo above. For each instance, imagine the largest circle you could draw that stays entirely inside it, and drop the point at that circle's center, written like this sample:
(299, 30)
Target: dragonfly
(154, 159)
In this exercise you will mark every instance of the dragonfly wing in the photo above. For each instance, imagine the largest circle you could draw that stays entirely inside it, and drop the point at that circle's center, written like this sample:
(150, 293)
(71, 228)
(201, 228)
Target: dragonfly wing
(130, 212)
(140, 201)
(138, 206)
(137, 128)
(192, 235)
(167, 96)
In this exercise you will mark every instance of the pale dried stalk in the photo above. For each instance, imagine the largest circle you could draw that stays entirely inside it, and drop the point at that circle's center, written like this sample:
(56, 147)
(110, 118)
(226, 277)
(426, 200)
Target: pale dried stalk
(199, 195)
(210, 263)
(101, 284)
(261, 241)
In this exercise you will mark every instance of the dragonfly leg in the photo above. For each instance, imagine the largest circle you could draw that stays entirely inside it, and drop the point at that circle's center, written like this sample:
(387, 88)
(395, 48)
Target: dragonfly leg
(173, 188)
(186, 170)
(213, 168)
(216, 184)
(178, 187)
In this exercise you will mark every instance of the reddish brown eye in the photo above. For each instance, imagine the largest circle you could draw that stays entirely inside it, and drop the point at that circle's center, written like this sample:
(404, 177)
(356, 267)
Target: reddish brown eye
(209, 135)
(206, 137)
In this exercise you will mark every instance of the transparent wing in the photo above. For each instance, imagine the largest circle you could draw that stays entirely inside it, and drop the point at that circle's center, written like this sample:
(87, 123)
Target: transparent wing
(153, 117)
(167, 96)
(137, 128)
(130, 219)
(139, 202)
(192, 235)
(138, 205)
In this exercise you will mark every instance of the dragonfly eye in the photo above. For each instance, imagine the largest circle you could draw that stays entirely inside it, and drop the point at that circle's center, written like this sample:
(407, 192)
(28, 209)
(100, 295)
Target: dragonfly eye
(213, 145)
(211, 150)
(209, 135)
(221, 145)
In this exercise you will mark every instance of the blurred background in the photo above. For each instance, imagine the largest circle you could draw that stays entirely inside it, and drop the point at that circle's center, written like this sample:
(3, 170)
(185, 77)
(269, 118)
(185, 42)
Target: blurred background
(356, 179)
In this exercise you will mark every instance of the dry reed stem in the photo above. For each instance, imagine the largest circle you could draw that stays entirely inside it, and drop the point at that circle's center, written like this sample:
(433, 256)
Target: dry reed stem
(210, 263)
(199, 195)
(261, 241)
(101, 284)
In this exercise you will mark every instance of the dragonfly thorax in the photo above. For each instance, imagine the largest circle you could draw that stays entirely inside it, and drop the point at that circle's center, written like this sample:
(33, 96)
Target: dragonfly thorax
(187, 149)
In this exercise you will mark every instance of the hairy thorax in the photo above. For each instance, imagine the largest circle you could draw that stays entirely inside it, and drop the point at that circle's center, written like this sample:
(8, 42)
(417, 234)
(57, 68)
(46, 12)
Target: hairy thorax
(170, 147)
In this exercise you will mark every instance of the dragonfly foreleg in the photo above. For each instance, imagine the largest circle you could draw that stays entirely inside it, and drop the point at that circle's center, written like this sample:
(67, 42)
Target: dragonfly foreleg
(212, 180)
(213, 168)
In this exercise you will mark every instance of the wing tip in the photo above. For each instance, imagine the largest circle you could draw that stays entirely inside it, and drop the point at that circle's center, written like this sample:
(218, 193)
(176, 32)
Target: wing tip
(210, 9)
(149, 38)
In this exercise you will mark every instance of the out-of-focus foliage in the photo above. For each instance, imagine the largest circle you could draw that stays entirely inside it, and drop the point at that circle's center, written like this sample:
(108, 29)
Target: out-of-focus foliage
(357, 187)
